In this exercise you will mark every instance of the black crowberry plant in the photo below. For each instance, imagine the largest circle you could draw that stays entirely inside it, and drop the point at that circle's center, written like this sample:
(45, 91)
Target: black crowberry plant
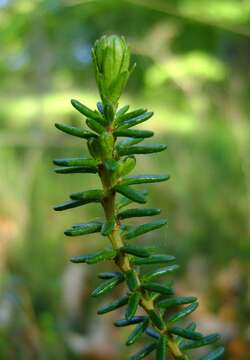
(112, 160)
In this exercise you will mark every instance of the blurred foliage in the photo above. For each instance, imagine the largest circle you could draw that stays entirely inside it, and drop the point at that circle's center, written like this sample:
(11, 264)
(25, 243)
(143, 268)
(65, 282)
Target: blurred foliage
(193, 72)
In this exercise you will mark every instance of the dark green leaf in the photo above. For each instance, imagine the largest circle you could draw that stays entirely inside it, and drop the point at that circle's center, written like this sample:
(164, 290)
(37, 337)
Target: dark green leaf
(141, 354)
(135, 250)
(161, 353)
(76, 170)
(107, 286)
(74, 131)
(143, 179)
(142, 229)
(109, 112)
(141, 149)
(95, 126)
(113, 306)
(123, 201)
(122, 111)
(130, 115)
(69, 205)
(132, 194)
(87, 112)
(206, 340)
(129, 213)
(133, 133)
(190, 327)
(94, 148)
(79, 259)
(156, 319)
(128, 142)
(182, 313)
(132, 280)
(181, 300)
(187, 334)
(135, 320)
(154, 259)
(84, 229)
(215, 354)
(109, 275)
(76, 162)
(160, 272)
(155, 287)
(136, 120)
(133, 303)
(88, 196)
(137, 332)
(102, 255)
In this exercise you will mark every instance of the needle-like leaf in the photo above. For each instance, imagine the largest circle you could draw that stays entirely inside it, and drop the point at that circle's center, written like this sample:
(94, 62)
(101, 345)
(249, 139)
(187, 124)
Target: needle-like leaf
(76, 162)
(142, 229)
(137, 212)
(133, 133)
(141, 149)
(113, 306)
(143, 179)
(131, 194)
(182, 313)
(84, 229)
(146, 350)
(107, 286)
(181, 300)
(76, 170)
(87, 112)
(133, 303)
(206, 340)
(161, 353)
(154, 259)
(215, 354)
(74, 131)
(137, 332)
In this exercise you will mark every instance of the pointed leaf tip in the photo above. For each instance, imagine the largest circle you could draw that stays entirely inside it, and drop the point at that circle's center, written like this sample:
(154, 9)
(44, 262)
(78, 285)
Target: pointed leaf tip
(182, 313)
(141, 354)
(107, 286)
(206, 340)
(215, 354)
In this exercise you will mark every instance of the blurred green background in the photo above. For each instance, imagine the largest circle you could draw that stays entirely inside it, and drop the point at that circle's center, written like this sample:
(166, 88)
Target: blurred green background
(193, 72)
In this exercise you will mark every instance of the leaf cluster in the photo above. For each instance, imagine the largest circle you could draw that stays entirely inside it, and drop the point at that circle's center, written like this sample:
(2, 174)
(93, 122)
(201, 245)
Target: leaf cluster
(113, 144)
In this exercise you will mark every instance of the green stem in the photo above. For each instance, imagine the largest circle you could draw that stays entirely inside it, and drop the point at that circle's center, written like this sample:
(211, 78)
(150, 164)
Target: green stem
(123, 261)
